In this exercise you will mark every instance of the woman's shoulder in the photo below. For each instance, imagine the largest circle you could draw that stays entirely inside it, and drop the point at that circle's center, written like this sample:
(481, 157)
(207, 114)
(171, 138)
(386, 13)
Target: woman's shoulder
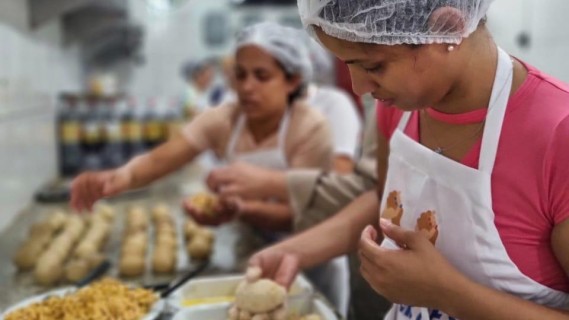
(541, 98)
(223, 113)
(548, 82)
(305, 117)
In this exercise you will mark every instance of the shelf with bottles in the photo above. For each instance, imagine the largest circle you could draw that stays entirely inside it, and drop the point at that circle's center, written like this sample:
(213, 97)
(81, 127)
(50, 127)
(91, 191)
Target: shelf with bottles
(96, 133)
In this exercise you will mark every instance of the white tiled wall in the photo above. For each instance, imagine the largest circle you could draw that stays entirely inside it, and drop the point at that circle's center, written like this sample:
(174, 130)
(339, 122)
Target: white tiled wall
(173, 38)
(34, 67)
(547, 23)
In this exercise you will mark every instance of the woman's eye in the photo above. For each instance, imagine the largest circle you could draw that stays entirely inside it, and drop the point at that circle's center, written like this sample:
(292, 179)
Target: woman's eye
(375, 69)
(240, 75)
(262, 76)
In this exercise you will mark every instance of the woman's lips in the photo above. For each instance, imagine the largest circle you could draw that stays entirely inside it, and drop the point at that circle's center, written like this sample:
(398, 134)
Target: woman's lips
(386, 102)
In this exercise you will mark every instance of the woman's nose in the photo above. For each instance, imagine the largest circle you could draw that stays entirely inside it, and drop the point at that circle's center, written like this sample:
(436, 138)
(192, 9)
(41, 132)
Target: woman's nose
(361, 81)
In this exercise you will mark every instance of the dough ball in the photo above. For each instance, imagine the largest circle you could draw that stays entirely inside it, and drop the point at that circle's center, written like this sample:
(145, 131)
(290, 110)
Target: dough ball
(95, 260)
(57, 220)
(205, 202)
(137, 225)
(76, 270)
(27, 256)
(106, 211)
(163, 260)
(134, 249)
(137, 238)
(199, 248)
(166, 229)
(167, 241)
(280, 314)
(261, 316)
(40, 229)
(131, 265)
(233, 313)
(136, 211)
(160, 211)
(190, 228)
(260, 296)
(85, 249)
(205, 233)
(244, 315)
(48, 271)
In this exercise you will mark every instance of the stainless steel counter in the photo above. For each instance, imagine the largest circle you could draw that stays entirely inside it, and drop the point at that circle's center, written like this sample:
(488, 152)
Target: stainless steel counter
(17, 286)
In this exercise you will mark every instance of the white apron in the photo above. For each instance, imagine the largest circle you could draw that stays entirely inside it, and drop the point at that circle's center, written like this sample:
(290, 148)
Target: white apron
(273, 158)
(451, 204)
(238, 240)
(331, 278)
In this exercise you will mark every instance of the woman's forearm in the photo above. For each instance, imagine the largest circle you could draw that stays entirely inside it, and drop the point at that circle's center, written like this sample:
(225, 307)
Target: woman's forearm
(166, 158)
(266, 215)
(336, 236)
(474, 301)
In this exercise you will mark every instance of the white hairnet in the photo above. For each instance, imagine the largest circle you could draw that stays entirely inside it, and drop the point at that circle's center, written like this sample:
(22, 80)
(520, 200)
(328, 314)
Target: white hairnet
(192, 67)
(285, 44)
(392, 22)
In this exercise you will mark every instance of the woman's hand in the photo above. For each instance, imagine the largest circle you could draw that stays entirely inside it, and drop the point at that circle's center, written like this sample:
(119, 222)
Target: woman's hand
(89, 187)
(224, 212)
(416, 275)
(277, 264)
(244, 180)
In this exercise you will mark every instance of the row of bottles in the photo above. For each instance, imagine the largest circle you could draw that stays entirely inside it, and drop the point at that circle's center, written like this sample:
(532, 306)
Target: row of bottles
(98, 133)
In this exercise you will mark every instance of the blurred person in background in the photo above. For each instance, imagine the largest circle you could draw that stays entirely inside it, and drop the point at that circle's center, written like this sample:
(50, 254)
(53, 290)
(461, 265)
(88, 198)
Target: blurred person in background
(267, 126)
(227, 64)
(245, 181)
(202, 90)
(337, 106)
(467, 229)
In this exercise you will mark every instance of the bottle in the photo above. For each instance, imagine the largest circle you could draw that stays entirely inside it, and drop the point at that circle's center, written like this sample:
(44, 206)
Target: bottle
(93, 134)
(153, 125)
(113, 153)
(174, 119)
(132, 130)
(69, 135)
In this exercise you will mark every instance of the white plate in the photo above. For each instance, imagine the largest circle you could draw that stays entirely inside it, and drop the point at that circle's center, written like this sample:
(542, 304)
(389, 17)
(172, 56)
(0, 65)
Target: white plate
(60, 293)
(40, 297)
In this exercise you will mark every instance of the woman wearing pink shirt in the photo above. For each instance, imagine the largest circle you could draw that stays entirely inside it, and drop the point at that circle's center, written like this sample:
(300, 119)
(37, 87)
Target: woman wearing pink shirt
(473, 159)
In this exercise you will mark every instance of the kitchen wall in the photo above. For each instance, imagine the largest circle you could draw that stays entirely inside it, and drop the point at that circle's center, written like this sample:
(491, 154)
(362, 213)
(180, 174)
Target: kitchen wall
(174, 37)
(34, 67)
(547, 24)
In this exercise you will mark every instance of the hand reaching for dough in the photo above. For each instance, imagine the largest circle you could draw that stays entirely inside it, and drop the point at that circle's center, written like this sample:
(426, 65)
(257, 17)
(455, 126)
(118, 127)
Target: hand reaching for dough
(259, 299)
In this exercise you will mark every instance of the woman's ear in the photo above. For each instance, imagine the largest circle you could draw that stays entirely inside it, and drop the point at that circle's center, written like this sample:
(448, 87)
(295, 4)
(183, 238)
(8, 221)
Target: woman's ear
(293, 83)
(447, 20)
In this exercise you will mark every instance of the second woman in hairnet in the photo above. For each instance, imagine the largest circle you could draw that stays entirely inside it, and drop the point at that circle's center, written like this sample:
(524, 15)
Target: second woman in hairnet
(267, 126)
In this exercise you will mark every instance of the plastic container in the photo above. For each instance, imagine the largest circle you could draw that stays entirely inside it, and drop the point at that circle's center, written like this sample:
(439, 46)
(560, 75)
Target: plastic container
(219, 311)
(215, 290)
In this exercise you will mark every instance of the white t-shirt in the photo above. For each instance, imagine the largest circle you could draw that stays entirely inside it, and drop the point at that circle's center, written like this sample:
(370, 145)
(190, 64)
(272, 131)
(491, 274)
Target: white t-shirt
(341, 113)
